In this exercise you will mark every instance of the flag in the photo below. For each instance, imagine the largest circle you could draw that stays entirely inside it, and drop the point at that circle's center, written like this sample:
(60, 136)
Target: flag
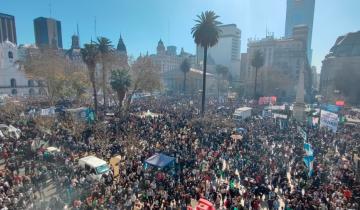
(309, 158)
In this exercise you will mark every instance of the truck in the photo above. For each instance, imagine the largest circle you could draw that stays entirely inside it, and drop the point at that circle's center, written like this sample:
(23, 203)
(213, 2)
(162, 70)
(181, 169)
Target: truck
(242, 113)
(96, 167)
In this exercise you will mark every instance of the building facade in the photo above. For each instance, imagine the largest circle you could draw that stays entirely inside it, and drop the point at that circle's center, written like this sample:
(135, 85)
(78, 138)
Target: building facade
(226, 52)
(300, 12)
(13, 81)
(168, 61)
(174, 82)
(342, 63)
(48, 32)
(280, 73)
(7, 28)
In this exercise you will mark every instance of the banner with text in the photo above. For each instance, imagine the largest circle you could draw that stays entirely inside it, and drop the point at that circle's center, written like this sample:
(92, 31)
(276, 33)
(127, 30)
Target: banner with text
(329, 120)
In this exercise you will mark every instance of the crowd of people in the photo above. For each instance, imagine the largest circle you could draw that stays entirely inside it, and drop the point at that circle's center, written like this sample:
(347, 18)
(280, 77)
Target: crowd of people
(263, 168)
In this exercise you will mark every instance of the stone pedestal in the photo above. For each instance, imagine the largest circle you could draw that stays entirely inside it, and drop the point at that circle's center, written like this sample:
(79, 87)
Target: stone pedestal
(299, 111)
(299, 105)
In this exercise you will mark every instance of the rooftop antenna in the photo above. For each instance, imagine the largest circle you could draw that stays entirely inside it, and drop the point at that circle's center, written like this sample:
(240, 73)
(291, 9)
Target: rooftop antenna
(50, 8)
(95, 26)
(266, 31)
(168, 32)
(77, 32)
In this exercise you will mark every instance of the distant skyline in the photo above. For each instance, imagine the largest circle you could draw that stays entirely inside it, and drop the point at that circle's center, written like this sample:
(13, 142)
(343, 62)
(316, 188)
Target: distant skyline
(142, 23)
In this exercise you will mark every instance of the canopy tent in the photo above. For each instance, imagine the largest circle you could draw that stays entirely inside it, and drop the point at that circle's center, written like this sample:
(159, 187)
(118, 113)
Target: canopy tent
(240, 130)
(160, 160)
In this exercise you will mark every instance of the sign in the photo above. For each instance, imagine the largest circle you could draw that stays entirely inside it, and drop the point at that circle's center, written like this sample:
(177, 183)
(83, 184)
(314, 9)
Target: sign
(267, 100)
(47, 112)
(302, 133)
(282, 116)
(266, 113)
(329, 120)
(340, 103)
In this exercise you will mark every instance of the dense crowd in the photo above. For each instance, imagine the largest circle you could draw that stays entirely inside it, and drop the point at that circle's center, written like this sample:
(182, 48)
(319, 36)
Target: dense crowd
(262, 169)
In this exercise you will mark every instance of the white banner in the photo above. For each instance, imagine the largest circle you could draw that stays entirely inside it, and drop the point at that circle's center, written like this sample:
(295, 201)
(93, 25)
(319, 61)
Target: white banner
(329, 120)
(282, 116)
(47, 112)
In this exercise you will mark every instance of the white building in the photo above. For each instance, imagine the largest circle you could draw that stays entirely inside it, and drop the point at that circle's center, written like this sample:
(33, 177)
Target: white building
(227, 51)
(13, 80)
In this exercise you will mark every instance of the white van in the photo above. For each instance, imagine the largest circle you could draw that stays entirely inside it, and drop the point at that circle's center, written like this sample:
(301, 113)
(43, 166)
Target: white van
(242, 113)
(95, 166)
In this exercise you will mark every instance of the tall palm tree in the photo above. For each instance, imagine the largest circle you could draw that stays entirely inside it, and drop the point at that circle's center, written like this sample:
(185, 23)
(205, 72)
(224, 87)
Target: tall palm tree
(90, 55)
(206, 34)
(257, 62)
(105, 49)
(185, 68)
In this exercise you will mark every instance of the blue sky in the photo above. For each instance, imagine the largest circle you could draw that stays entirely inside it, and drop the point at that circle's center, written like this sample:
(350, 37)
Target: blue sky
(143, 22)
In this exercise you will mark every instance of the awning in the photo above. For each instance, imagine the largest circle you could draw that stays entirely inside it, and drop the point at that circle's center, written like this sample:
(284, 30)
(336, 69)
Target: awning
(159, 160)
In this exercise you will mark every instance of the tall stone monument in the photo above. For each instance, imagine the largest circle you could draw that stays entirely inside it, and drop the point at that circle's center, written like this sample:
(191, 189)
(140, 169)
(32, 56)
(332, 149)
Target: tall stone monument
(299, 106)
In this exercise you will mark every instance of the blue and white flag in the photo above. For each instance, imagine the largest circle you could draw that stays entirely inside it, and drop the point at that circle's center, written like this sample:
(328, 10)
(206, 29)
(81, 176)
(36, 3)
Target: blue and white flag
(309, 157)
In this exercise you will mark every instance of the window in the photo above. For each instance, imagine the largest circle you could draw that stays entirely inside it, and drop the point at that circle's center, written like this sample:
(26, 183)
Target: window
(13, 82)
(10, 55)
(41, 83)
(31, 83)
(14, 92)
(31, 92)
(42, 91)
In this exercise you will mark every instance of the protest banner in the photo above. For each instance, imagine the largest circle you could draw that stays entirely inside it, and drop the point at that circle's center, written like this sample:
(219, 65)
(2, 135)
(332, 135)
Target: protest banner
(329, 120)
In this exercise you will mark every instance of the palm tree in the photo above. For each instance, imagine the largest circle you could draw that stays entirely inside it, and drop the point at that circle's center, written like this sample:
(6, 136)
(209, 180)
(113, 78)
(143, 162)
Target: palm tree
(90, 55)
(120, 82)
(185, 68)
(221, 72)
(206, 34)
(257, 62)
(105, 48)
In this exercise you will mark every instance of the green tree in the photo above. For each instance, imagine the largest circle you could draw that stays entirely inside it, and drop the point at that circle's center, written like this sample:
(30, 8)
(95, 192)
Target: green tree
(145, 77)
(206, 34)
(105, 49)
(185, 68)
(257, 62)
(120, 83)
(90, 56)
(61, 77)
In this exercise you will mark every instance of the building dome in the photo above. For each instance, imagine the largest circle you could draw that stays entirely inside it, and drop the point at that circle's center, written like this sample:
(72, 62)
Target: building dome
(161, 47)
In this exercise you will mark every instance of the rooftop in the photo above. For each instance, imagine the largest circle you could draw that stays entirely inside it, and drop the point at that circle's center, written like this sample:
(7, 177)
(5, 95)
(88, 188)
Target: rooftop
(347, 45)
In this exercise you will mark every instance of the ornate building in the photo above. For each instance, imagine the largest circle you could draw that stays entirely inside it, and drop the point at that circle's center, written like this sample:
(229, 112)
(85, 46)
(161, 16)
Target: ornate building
(74, 54)
(13, 80)
(342, 63)
(168, 61)
(280, 73)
